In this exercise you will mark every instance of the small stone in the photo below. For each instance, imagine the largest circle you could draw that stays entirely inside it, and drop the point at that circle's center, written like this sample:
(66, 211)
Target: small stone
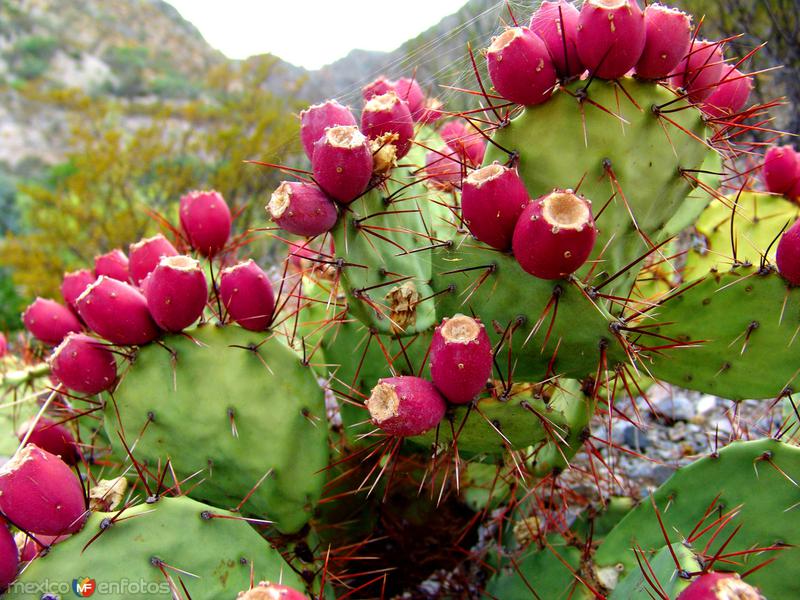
(635, 439)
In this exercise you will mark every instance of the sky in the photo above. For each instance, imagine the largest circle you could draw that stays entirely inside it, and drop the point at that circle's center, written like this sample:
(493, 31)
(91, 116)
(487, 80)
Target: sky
(311, 33)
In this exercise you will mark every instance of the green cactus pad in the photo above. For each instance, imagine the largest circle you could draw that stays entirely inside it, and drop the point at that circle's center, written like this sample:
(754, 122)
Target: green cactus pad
(212, 557)
(748, 323)
(660, 568)
(231, 413)
(760, 477)
(644, 150)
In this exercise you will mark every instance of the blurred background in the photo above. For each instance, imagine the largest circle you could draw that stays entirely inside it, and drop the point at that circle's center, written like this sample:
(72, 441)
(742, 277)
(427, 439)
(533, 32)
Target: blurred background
(112, 109)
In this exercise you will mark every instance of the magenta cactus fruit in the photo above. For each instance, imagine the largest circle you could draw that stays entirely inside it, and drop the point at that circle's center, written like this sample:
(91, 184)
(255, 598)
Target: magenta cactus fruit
(492, 199)
(206, 221)
(557, 24)
(29, 549)
(49, 322)
(9, 557)
(410, 91)
(73, 285)
(611, 36)
(555, 235)
(667, 40)
(731, 94)
(39, 493)
(378, 87)
(53, 437)
(405, 406)
(247, 294)
(387, 113)
(469, 145)
(701, 71)
(720, 586)
(84, 364)
(432, 112)
(113, 264)
(781, 169)
(787, 254)
(302, 209)
(443, 169)
(3, 345)
(461, 358)
(520, 66)
(145, 254)
(176, 292)
(317, 118)
(118, 312)
(271, 591)
(342, 163)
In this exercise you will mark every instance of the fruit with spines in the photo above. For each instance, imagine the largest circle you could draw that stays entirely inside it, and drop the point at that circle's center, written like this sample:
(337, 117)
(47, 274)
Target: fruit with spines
(405, 406)
(520, 67)
(469, 145)
(302, 209)
(206, 221)
(443, 169)
(787, 256)
(271, 591)
(387, 113)
(9, 557)
(176, 292)
(461, 358)
(377, 87)
(50, 322)
(145, 254)
(114, 264)
(781, 169)
(720, 586)
(555, 235)
(117, 312)
(557, 24)
(317, 118)
(611, 36)
(492, 200)
(700, 72)
(74, 283)
(52, 437)
(246, 292)
(84, 364)
(342, 162)
(39, 493)
(731, 94)
(409, 90)
(668, 35)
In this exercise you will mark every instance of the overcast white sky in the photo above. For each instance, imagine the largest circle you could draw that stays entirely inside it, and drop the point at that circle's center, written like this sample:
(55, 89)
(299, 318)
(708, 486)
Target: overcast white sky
(311, 33)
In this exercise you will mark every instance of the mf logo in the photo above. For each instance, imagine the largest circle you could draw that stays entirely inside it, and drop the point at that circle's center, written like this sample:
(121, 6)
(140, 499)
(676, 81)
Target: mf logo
(84, 587)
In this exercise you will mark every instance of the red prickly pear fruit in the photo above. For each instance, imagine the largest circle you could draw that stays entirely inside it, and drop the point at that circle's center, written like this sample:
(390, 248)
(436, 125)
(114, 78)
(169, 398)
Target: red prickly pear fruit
(271, 591)
(667, 40)
(432, 111)
(787, 255)
(302, 209)
(342, 163)
(53, 437)
(206, 221)
(443, 169)
(387, 113)
(39, 493)
(409, 90)
(470, 145)
(73, 285)
(9, 557)
(246, 292)
(145, 254)
(461, 358)
(492, 199)
(317, 118)
(611, 36)
(3, 345)
(118, 312)
(720, 586)
(378, 87)
(520, 66)
(176, 292)
(29, 549)
(700, 71)
(113, 264)
(781, 169)
(405, 406)
(555, 235)
(49, 322)
(730, 96)
(557, 24)
(84, 364)
(794, 193)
